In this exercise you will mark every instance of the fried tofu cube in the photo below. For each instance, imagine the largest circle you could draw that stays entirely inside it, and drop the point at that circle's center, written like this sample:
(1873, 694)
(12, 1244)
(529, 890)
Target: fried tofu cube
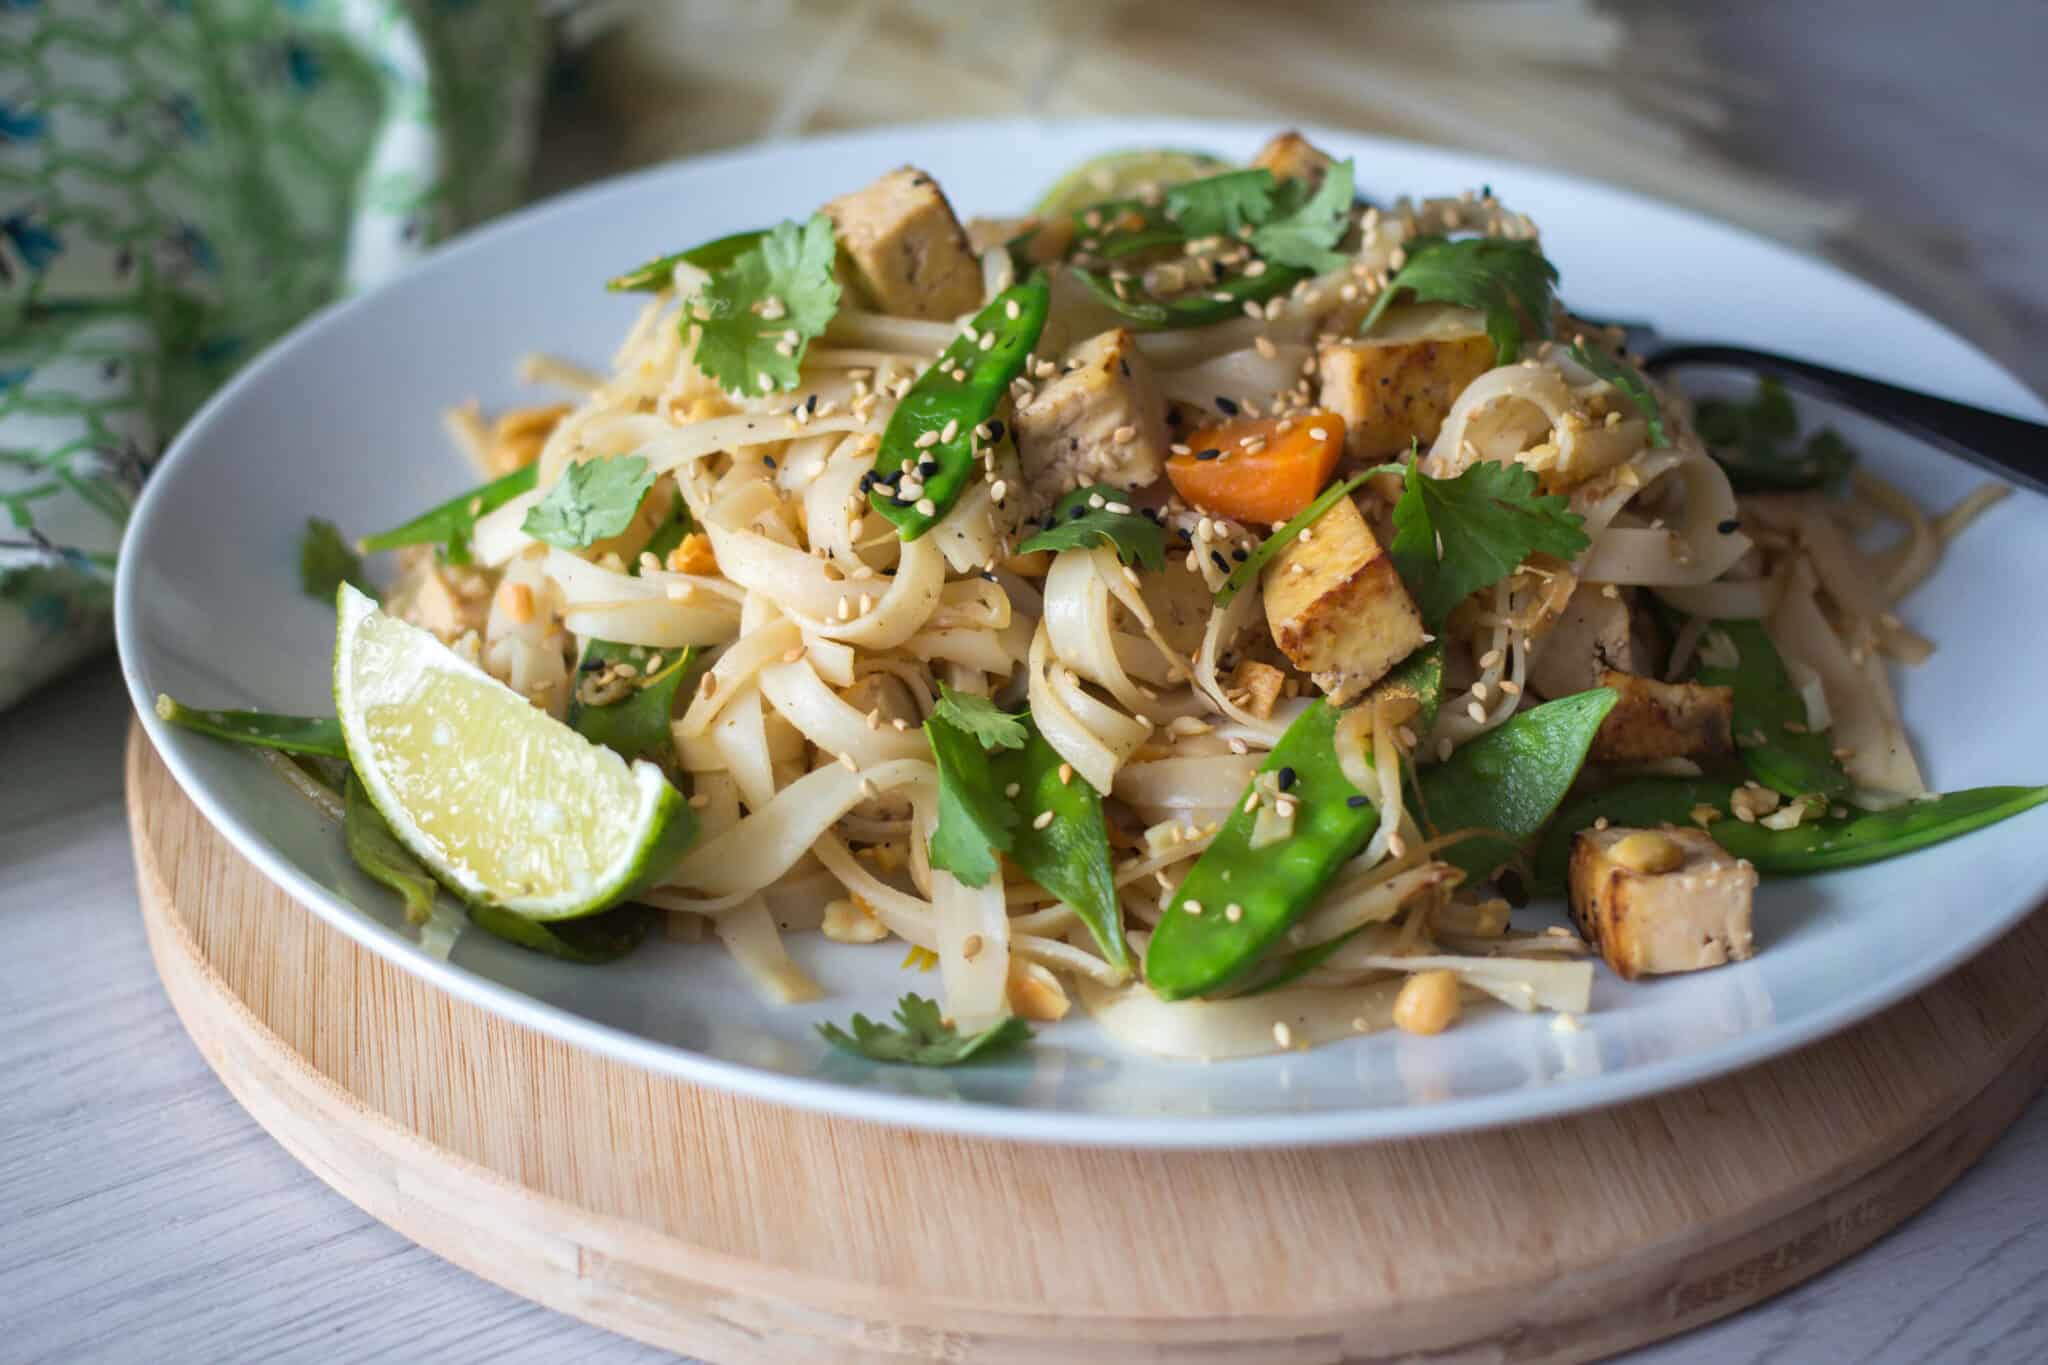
(1397, 385)
(1259, 684)
(1654, 720)
(1338, 608)
(1656, 901)
(1290, 156)
(908, 252)
(1596, 631)
(1101, 420)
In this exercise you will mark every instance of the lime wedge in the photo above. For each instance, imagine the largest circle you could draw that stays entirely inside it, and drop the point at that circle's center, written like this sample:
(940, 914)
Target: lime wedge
(1118, 175)
(506, 805)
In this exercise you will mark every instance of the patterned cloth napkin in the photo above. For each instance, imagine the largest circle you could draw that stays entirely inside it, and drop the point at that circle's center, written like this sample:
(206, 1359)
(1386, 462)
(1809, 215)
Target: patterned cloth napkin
(180, 182)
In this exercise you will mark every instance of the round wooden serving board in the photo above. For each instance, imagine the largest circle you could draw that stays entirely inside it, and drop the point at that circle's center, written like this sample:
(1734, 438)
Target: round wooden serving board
(739, 1231)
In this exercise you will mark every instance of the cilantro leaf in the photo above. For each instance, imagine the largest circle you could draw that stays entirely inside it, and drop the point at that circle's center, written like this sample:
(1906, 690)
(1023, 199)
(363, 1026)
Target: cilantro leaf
(976, 822)
(978, 716)
(1629, 381)
(1077, 523)
(591, 500)
(757, 315)
(1753, 443)
(1509, 281)
(1303, 235)
(1487, 520)
(326, 561)
(1221, 204)
(923, 1038)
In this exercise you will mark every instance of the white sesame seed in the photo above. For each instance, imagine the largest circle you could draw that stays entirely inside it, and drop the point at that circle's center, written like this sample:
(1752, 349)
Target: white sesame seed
(1010, 792)
(1233, 912)
(1477, 712)
(1044, 819)
(846, 762)
(1282, 1034)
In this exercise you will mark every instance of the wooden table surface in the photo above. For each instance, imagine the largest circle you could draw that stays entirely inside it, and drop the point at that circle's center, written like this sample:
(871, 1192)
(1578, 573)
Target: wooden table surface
(146, 1217)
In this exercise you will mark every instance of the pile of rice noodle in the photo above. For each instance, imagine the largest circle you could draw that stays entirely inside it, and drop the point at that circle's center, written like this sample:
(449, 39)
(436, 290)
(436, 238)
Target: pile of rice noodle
(827, 636)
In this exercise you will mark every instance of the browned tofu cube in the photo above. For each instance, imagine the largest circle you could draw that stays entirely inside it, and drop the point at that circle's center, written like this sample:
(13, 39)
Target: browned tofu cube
(1101, 420)
(908, 252)
(1290, 156)
(1396, 385)
(1655, 720)
(1655, 901)
(1596, 631)
(1336, 606)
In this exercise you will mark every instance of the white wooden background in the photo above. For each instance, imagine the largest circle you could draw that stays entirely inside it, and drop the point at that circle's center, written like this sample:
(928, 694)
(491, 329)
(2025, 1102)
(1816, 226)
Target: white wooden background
(144, 1217)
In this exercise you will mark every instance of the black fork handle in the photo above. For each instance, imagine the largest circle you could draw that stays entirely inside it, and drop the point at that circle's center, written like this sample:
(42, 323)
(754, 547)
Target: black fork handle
(2010, 446)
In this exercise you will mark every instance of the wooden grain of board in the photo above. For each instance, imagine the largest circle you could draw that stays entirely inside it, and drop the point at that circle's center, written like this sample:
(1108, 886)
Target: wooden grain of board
(738, 1231)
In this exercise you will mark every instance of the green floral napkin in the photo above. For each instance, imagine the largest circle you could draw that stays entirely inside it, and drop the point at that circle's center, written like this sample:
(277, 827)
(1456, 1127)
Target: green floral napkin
(180, 182)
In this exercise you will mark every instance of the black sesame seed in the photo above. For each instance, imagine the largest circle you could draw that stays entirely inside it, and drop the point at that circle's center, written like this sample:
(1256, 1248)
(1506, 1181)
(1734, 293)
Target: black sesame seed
(1357, 802)
(1220, 561)
(768, 460)
(900, 502)
(811, 403)
(1239, 554)
(1729, 527)
(1076, 512)
(1211, 453)
(1226, 406)
(867, 481)
(1285, 778)
(995, 430)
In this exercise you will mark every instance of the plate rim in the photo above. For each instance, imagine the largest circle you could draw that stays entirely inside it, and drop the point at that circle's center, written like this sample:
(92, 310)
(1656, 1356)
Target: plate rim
(970, 1118)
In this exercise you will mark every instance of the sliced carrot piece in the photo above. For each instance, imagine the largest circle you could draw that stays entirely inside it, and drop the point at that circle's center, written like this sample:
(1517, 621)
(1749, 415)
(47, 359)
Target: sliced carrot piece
(1270, 479)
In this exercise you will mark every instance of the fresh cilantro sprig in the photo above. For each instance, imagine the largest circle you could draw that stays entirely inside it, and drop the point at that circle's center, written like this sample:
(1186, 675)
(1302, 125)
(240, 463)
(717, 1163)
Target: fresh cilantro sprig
(326, 561)
(758, 314)
(976, 821)
(1509, 281)
(1453, 537)
(1629, 380)
(1754, 443)
(922, 1037)
(1076, 524)
(592, 500)
(994, 727)
(1304, 233)
(1221, 204)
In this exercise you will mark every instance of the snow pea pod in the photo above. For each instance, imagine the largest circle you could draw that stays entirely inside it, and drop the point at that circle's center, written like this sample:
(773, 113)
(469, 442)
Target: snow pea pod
(319, 735)
(1418, 678)
(1220, 302)
(449, 524)
(382, 858)
(1868, 837)
(656, 275)
(1812, 846)
(1509, 781)
(1069, 855)
(1199, 947)
(593, 939)
(1790, 758)
(928, 447)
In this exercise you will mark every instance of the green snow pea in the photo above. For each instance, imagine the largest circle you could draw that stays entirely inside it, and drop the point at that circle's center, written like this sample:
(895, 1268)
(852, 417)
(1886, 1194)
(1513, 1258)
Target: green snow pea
(716, 254)
(593, 939)
(319, 735)
(1821, 845)
(382, 858)
(449, 524)
(1220, 302)
(1794, 762)
(943, 411)
(1070, 855)
(1753, 442)
(1199, 953)
(1510, 779)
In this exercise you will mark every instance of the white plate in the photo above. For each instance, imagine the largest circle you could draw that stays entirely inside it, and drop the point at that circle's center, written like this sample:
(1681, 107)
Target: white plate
(342, 420)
